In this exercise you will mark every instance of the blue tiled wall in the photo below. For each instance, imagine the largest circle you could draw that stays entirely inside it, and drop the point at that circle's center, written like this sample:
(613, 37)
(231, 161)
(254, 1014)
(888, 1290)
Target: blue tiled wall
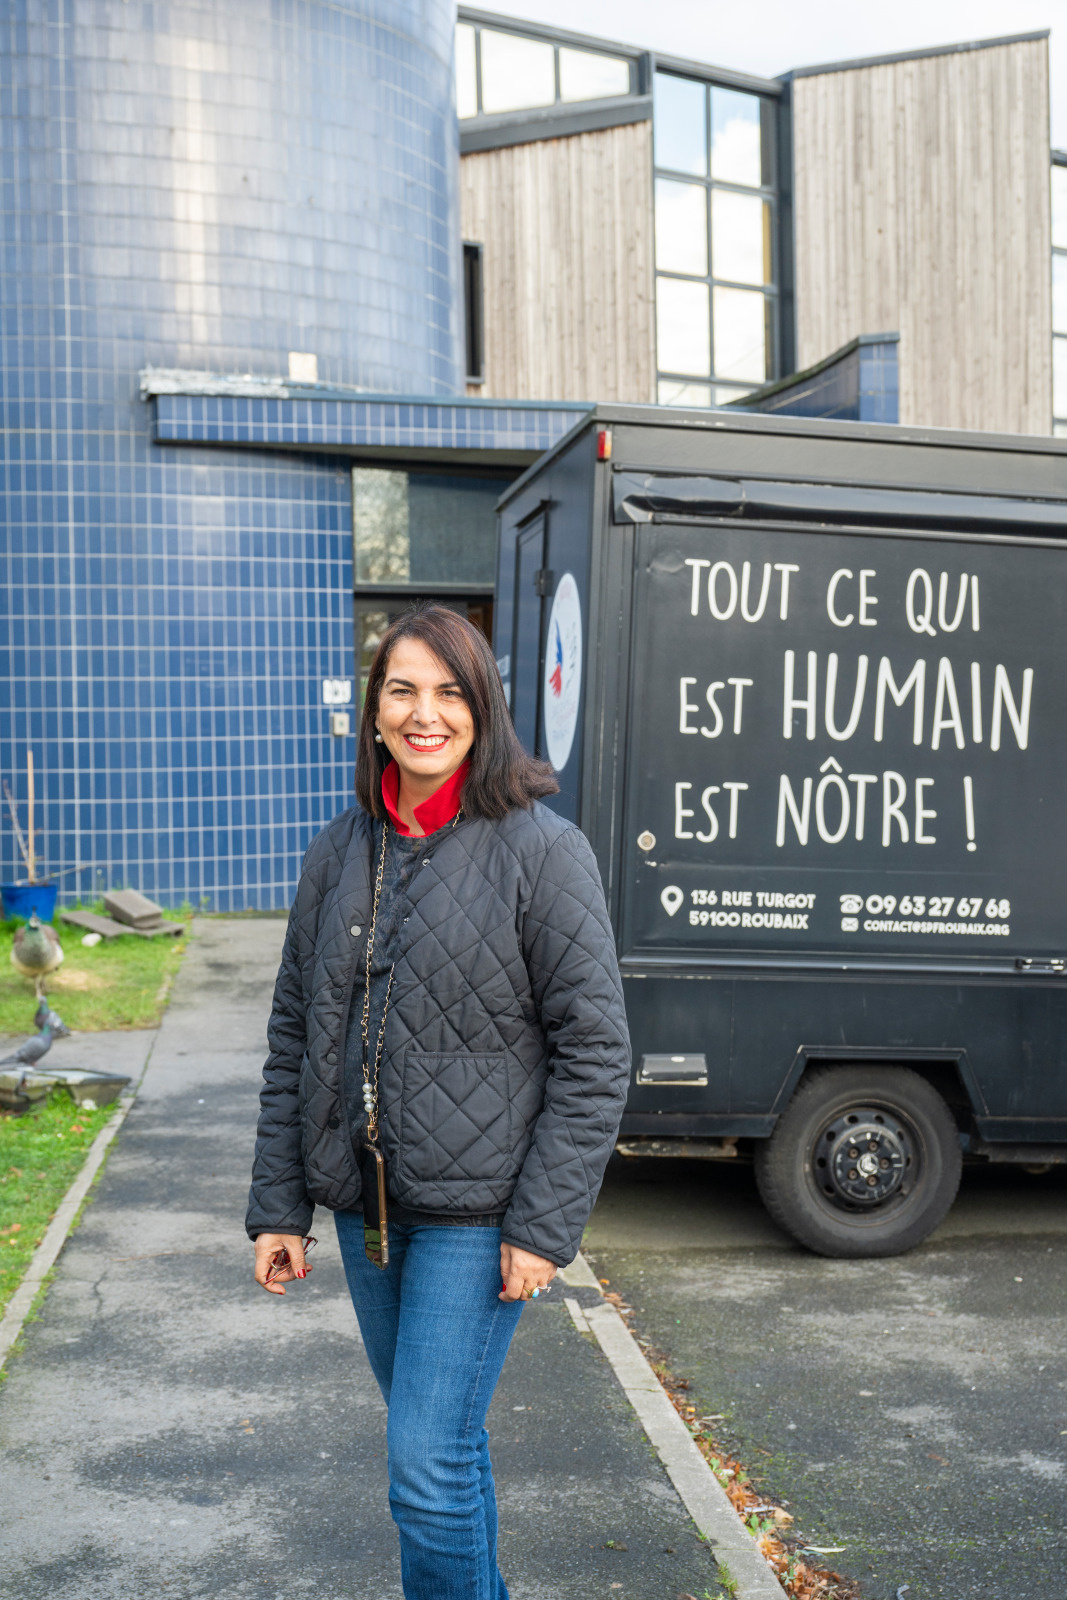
(166, 669)
(363, 423)
(859, 383)
(204, 185)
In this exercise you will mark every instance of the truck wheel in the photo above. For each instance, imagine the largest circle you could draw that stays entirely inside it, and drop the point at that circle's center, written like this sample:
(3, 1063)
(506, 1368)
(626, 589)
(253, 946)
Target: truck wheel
(865, 1161)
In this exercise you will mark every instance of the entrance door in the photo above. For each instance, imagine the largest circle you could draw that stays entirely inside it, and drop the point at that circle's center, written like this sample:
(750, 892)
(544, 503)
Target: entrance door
(374, 616)
(528, 649)
(421, 534)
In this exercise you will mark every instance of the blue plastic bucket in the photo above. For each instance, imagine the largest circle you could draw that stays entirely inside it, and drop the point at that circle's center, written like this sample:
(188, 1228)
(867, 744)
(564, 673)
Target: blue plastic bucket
(22, 899)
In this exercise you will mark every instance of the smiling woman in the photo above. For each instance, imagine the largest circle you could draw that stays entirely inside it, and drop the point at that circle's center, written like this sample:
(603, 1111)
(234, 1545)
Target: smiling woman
(449, 1063)
(434, 687)
(425, 724)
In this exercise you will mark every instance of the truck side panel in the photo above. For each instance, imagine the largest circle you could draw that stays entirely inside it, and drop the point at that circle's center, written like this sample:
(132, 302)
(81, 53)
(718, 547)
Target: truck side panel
(1006, 1037)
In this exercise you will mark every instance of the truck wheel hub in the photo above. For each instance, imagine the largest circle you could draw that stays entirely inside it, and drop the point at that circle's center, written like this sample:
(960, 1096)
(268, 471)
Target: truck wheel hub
(862, 1158)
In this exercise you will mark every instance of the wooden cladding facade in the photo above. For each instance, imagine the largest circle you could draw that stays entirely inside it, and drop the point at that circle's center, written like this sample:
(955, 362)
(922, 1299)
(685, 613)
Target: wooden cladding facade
(566, 230)
(921, 195)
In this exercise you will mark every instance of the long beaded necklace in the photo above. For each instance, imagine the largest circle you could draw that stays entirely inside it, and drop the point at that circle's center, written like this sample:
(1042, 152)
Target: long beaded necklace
(370, 1083)
(372, 1071)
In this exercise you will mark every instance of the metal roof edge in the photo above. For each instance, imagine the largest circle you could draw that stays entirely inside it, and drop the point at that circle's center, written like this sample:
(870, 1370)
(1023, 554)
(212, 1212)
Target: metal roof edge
(611, 414)
(726, 77)
(914, 55)
(159, 381)
(585, 41)
(860, 341)
(884, 432)
(545, 30)
(560, 121)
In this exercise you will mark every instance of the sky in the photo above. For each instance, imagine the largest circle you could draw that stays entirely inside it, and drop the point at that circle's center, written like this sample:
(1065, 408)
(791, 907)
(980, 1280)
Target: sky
(768, 37)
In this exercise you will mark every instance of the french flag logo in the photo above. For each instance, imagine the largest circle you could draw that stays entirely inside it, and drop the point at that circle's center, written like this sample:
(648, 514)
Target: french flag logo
(556, 675)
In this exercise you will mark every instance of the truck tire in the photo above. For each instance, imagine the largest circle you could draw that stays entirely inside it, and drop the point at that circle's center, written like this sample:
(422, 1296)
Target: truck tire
(864, 1161)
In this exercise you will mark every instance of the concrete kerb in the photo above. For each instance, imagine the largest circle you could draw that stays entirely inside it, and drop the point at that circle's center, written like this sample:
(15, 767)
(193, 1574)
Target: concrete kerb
(698, 1488)
(47, 1252)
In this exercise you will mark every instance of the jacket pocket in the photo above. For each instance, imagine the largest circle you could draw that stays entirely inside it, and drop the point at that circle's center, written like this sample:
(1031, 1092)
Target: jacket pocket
(456, 1119)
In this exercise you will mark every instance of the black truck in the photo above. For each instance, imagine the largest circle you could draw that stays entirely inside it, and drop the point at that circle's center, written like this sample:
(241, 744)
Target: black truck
(802, 684)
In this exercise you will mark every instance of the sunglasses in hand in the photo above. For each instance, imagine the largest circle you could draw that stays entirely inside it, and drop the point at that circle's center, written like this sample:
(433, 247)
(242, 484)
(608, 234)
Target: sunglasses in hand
(280, 1262)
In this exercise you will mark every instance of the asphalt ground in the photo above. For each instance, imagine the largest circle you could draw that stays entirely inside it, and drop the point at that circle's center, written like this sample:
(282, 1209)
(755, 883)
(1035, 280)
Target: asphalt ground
(166, 1429)
(912, 1411)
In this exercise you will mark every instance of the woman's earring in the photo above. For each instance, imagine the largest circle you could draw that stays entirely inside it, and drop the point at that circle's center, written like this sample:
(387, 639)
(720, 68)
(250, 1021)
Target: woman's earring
(377, 738)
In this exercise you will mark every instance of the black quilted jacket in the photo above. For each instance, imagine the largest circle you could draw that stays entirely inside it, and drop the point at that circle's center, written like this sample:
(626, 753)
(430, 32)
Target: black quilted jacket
(507, 1057)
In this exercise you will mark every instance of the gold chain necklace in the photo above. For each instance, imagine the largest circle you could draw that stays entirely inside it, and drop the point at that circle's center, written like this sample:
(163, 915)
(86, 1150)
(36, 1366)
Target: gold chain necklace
(372, 1074)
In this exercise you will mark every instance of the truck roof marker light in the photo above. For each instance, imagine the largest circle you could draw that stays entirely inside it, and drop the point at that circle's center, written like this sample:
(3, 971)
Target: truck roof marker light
(603, 444)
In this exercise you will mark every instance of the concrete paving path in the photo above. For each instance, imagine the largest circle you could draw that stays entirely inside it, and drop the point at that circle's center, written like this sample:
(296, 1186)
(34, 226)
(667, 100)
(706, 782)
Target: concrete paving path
(169, 1430)
(913, 1411)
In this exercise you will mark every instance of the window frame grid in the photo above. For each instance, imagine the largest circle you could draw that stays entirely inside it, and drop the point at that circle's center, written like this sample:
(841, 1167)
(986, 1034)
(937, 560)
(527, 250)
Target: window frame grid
(559, 42)
(391, 587)
(768, 192)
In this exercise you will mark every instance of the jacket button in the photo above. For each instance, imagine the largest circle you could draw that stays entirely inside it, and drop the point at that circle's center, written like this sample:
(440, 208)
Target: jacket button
(331, 1059)
(338, 994)
(333, 1122)
(355, 930)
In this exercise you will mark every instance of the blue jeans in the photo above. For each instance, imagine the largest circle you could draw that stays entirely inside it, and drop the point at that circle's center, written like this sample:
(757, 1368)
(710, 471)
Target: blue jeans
(436, 1336)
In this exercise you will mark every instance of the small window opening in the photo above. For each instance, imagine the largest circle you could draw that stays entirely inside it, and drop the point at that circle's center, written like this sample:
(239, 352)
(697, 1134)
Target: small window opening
(474, 312)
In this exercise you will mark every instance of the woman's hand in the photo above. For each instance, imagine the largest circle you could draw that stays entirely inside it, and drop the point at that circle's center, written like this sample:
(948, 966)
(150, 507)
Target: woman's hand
(267, 1246)
(523, 1272)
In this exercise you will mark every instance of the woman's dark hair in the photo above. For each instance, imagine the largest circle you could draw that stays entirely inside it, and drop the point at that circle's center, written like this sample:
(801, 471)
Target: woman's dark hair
(502, 776)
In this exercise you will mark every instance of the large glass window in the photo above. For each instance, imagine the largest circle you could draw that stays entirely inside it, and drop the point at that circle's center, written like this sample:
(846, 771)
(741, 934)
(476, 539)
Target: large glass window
(1059, 297)
(587, 75)
(716, 284)
(421, 535)
(425, 530)
(517, 73)
(500, 71)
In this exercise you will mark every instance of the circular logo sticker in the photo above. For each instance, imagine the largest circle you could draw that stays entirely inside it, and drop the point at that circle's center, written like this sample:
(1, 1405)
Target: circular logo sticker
(563, 671)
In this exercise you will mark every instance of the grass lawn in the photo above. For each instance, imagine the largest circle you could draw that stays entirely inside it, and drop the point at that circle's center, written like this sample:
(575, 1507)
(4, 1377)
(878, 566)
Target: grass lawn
(40, 1154)
(118, 983)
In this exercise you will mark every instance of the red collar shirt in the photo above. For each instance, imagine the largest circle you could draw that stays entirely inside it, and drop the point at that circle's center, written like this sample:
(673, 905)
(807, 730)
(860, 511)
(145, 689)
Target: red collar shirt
(433, 813)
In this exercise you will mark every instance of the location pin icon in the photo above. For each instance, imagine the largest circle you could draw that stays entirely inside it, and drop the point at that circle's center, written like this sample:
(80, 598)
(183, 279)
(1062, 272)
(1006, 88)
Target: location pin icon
(671, 899)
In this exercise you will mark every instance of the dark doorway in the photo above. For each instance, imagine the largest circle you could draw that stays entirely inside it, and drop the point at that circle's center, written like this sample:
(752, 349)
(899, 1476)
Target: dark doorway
(529, 632)
(374, 616)
(421, 534)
